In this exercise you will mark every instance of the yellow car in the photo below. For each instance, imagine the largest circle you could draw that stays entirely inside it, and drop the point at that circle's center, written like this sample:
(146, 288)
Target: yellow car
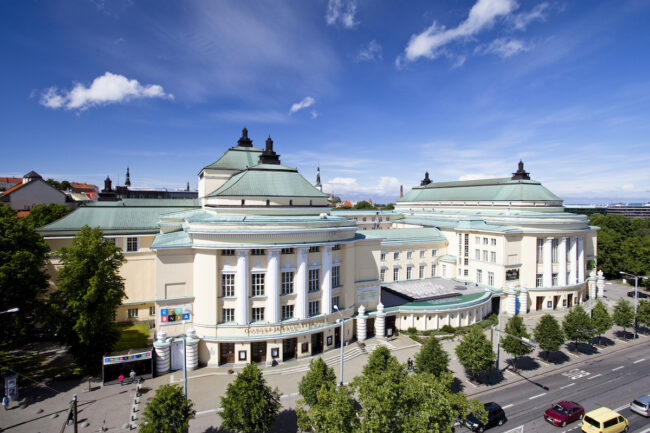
(604, 420)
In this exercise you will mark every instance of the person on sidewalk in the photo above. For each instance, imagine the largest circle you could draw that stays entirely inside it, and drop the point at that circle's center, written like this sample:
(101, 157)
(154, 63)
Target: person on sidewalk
(121, 379)
(132, 376)
(5, 402)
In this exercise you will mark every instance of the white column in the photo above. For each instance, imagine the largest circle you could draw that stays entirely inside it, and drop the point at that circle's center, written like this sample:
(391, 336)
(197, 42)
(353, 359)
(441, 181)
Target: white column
(380, 321)
(273, 286)
(581, 260)
(162, 350)
(523, 301)
(511, 303)
(326, 281)
(192, 347)
(241, 288)
(302, 306)
(548, 262)
(361, 323)
(561, 252)
(573, 257)
(600, 284)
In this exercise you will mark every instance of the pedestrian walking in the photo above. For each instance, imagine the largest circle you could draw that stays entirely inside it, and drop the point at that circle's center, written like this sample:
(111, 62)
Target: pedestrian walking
(409, 364)
(5, 402)
(132, 376)
(121, 379)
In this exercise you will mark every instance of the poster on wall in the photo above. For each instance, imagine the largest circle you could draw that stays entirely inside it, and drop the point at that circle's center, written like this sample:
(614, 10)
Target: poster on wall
(176, 315)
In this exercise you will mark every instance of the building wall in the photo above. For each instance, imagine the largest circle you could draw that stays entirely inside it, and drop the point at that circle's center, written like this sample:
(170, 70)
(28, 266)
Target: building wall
(33, 193)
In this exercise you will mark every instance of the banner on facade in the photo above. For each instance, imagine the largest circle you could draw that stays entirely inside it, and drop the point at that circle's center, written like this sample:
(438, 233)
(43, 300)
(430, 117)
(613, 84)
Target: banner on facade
(176, 315)
(118, 359)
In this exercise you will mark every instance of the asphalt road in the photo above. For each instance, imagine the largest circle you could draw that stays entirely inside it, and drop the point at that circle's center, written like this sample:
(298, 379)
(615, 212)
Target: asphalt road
(612, 381)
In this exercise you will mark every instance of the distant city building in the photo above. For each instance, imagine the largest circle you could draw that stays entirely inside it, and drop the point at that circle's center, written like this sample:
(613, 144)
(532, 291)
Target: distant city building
(33, 190)
(8, 182)
(631, 210)
(126, 192)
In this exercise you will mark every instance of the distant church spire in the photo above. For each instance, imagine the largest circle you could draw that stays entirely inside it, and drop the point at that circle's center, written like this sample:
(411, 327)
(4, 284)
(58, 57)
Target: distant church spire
(318, 184)
(128, 177)
(188, 187)
(426, 181)
(269, 156)
(521, 174)
(244, 141)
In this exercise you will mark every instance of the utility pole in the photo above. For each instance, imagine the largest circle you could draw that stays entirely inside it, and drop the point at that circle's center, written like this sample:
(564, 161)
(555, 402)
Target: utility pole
(74, 412)
(636, 298)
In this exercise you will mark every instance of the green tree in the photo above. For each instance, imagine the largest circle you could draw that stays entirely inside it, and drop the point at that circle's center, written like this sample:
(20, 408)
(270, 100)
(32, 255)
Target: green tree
(43, 214)
(475, 352)
(389, 206)
(23, 280)
(623, 314)
(577, 326)
(319, 375)
(549, 334)
(363, 205)
(249, 404)
(514, 346)
(601, 320)
(168, 412)
(431, 358)
(64, 186)
(90, 289)
(333, 412)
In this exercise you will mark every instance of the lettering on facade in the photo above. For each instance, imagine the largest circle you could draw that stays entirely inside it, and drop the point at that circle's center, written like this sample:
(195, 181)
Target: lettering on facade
(281, 329)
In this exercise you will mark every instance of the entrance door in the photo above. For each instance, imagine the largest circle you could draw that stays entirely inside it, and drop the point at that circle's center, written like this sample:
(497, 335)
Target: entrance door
(370, 327)
(258, 352)
(539, 303)
(556, 300)
(289, 348)
(337, 337)
(569, 300)
(226, 353)
(390, 324)
(177, 355)
(316, 343)
(496, 303)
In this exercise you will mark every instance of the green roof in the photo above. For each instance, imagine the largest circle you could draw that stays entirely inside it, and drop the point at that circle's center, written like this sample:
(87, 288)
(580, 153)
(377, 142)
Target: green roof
(269, 180)
(170, 240)
(405, 236)
(448, 258)
(463, 301)
(499, 189)
(237, 158)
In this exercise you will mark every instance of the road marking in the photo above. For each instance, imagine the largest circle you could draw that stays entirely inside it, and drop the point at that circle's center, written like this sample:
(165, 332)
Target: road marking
(595, 376)
(506, 406)
(519, 429)
(566, 386)
(621, 408)
(536, 396)
(203, 412)
(576, 373)
(638, 360)
(617, 368)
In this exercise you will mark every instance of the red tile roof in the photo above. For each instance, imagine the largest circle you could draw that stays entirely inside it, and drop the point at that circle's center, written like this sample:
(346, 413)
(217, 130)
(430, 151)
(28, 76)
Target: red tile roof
(22, 213)
(83, 187)
(11, 180)
(13, 188)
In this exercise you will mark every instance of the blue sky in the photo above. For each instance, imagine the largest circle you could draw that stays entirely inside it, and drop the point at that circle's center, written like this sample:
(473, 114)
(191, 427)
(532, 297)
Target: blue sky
(374, 91)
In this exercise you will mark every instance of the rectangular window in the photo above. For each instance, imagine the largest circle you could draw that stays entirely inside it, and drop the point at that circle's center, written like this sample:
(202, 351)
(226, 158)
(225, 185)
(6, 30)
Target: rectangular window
(131, 244)
(336, 247)
(314, 308)
(364, 219)
(421, 271)
(409, 255)
(485, 241)
(314, 280)
(466, 261)
(336, 302)
(287, 312)
(228, 285)
(286, 283)
(258, 314)
(286, 251)
(421, 254)
(433, 271)
(478, 240)
(493, 256)
(465, 273)
(382, 256)
(258, 252)
(444, 271)
(491, 279)
(479, 276)
(408, 272)
(540, 251)
(112, 241)
(258, 284)
(478, 254)
(313, 249)
(396, 255)
(493, 241)
(132, 313)
(336, 276)
(434, 252)
(554, 244)
(485, 255)
(466, 245)
(227, 252)
(539, 280)
(228, 315)
(395, 274)
(382, 275)
(152, 311)
(554, 280)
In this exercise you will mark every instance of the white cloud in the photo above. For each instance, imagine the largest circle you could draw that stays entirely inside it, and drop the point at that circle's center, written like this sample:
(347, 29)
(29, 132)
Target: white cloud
(387, 189)
(521, 20)
(306, 102)
(476, 176)
(370, 52)
(106, 89)
(504, 47)
(341, 12)
(482, 16)
(314, 114)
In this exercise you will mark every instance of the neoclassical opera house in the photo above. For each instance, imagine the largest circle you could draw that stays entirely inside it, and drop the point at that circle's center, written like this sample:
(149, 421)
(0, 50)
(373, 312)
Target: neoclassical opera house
(260, 269)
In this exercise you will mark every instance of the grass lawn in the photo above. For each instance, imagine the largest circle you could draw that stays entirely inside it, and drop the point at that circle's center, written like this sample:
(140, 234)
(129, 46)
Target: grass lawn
(132, 337)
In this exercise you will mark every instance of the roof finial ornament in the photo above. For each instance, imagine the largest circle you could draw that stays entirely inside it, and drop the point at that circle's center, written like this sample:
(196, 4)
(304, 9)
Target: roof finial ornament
(318, 184)
(128, 177)
(426, 181)
(521, 174)
(244, 141)
(269, 156)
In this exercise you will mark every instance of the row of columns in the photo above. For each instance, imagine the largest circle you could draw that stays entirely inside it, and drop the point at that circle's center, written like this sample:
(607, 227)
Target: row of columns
(272, 285)
(576, 258)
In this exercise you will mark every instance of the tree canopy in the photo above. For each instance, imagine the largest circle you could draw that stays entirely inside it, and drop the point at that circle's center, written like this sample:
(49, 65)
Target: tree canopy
(168, 412)
(600, 319)
(475, 352)
(249, 405)
(333, 412)
(90, 289)
(643, 313)
(577, 326)
(549, 334)
(23, 280)
(623, 314)
(319, 375)
(43, 214)
(431, 358)
(514, 346)
(363, 204)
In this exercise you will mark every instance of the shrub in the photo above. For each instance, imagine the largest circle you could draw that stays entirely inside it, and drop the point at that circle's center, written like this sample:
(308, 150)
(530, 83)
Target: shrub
(448, 329)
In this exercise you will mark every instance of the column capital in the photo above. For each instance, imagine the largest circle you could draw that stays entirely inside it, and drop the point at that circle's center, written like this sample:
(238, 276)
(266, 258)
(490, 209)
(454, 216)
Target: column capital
(327, 248)
(563, 238)
(273, 252)
(242, 252)
(550, 238)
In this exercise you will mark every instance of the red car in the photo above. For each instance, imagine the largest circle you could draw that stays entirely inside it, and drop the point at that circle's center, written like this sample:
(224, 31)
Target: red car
(563, 413)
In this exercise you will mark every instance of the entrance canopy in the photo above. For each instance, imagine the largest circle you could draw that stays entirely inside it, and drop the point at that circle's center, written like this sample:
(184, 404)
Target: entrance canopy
(122, 362)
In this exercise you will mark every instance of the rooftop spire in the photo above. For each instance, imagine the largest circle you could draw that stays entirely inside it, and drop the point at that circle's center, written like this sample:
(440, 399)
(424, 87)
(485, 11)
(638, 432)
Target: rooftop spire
(521, 174)
(244, 141)
(318, 184)
(426, 181)
(269, 156)
(128, 177)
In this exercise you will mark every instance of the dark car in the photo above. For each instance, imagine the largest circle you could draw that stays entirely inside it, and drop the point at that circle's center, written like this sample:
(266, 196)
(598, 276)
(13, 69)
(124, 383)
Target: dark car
(495, 416)
(563, 413)
(642, 295)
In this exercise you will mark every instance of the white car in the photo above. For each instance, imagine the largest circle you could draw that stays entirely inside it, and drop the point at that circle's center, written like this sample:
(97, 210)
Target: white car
(641, 405)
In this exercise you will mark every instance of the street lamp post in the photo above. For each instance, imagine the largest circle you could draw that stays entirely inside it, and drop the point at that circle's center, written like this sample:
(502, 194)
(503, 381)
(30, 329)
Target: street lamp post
(336, 307)
(636, 297)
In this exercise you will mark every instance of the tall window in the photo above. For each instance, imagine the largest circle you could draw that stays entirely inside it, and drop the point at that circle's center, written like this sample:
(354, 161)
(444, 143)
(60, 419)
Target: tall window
(421, 254)
(336, 247)
(258, 284)
(479, 276)
(485, 241)
(313, 249)
(478, 240)
(227, 252)
(286, 251)
(421, 272)
(434, 252)
(478, 254)
(382, 256)
(314, 280)
(131, 244)
(539, 280)
(540, 251)
(444, 271)
(336, 302)
(336, 276)
(465, 272)
(258, 252)
(493, 241)
(286, 283)
(408, 272)
(554, 280)
(485, 255)
(554, 243)
(409, 254)
(228, 284)
(258, 314)
(287, 312)
(152, 311)
(493, 256)
(132, 313)
(491, 279)
(433, 270)
(228, 315)
(382, 275)
(395, 274)
(466, 245)
(314, 308)
(396, 255)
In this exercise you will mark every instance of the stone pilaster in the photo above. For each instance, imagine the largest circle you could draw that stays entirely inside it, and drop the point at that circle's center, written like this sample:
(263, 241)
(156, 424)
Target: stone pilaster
(581, 259)
(241, 288)
(573, 257)
(326, 281)
(273, 286)
(548, 262)
(302, 306)
(561, 252)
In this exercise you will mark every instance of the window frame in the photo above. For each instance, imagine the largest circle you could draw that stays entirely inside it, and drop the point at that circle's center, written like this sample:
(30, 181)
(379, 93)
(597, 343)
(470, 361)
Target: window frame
(313, 284)
(224, 276)
(257, 286)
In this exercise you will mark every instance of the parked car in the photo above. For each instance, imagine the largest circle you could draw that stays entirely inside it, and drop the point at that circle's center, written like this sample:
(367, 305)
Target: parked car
(604, 420)
(495, 416)
(642, 295)
(563, 413)
(641, 405)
